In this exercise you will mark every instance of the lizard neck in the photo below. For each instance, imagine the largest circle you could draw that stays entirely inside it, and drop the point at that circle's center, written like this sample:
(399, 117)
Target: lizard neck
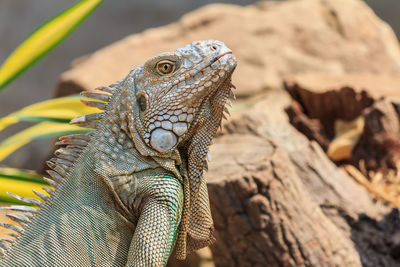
(119, 154)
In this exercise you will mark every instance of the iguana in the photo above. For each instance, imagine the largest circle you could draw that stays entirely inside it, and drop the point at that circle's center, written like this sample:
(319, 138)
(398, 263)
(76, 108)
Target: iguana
(131, 189)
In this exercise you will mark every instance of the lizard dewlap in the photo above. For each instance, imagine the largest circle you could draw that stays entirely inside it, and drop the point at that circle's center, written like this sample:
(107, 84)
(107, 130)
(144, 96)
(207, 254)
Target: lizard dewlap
(132, 189)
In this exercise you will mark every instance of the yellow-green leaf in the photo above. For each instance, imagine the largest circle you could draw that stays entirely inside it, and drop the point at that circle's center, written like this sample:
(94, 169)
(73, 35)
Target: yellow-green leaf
(61, 109)
(44, 39)
(20, 182)
(20, 174)
(21, 188)
(40, 130)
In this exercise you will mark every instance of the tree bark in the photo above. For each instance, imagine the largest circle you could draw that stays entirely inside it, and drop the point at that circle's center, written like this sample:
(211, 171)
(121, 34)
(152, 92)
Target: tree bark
(277, 200)
(379, 145)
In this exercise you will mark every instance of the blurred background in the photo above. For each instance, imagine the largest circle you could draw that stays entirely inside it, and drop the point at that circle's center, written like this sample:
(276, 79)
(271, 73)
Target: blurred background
(112, 21)
(346, 47)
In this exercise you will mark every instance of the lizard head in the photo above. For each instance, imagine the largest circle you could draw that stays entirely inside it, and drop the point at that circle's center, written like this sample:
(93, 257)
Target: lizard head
(174, 90)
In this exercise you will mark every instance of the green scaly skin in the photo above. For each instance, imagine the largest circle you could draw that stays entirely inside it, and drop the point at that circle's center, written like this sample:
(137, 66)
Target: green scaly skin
(132, 189)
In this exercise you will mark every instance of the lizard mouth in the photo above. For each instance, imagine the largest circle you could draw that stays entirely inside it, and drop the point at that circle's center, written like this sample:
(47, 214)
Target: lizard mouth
(220, 56)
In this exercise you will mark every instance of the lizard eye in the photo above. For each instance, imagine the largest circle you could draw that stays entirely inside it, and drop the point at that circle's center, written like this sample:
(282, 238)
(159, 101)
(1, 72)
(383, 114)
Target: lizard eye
(142, 101)
(165, 67)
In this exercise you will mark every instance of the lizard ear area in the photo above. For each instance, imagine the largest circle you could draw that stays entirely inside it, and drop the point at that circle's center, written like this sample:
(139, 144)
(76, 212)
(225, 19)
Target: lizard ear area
(163, 140)
(142, 101)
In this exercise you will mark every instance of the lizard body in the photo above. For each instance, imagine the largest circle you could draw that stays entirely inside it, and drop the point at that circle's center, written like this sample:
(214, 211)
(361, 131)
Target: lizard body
(132, 189)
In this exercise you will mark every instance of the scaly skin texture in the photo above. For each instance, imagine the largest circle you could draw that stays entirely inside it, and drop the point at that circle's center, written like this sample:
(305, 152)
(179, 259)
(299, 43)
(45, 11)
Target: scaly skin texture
(132, 188)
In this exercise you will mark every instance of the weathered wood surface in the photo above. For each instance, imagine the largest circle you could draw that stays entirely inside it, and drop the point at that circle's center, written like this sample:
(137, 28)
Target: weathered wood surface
(315, 113)
(379, 145)
(277, 200)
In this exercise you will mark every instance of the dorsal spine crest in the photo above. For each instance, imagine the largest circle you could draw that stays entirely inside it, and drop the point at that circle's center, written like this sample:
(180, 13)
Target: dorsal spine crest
(60, 165)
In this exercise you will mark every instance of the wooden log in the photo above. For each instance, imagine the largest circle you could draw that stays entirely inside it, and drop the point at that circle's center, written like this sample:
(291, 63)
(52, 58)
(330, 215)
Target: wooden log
(379, 145)
(277, 200)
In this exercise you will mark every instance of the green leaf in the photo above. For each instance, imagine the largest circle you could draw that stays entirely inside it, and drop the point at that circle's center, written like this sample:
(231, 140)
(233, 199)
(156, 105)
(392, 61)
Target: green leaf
(61, 109)
(19, 174)
(41, 130)
(44, 39)
(20, 182)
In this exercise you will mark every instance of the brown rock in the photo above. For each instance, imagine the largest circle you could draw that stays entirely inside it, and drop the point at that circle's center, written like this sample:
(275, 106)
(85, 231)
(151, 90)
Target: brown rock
(271, 40)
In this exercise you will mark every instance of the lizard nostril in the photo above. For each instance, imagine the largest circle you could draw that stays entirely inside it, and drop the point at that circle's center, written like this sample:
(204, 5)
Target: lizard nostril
(214, 47)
